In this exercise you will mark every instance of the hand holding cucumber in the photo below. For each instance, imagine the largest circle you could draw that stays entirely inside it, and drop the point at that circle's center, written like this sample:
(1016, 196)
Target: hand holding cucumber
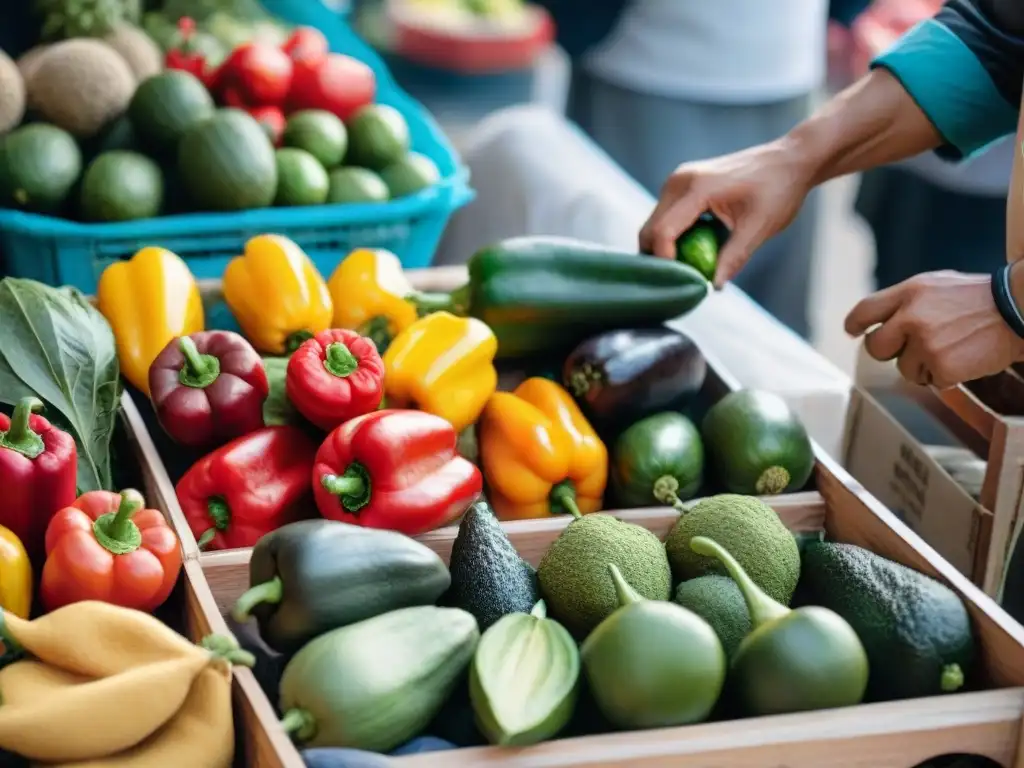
(754, 193)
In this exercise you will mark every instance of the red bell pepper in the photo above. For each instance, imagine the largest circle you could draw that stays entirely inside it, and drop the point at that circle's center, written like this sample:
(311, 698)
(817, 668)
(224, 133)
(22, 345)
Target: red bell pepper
(249, 487)
(257, 74)
(208, 388)
(105, 546)
(335, 376)
(184, 55)
(38, 473)
(394, 469)
(337, 84)
(306, 44)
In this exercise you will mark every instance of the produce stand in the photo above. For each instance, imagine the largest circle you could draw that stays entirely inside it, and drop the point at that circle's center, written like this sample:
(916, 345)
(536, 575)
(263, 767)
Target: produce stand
(890, 735)
(986, 416)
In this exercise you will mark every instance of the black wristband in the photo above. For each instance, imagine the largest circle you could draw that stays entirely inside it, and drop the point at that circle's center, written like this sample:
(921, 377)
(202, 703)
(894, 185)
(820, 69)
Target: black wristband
(1007, 307)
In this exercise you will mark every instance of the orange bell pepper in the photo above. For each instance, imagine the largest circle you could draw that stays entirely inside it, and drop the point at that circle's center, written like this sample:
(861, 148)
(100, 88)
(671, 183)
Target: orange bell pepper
(540, 456)
(106, 547)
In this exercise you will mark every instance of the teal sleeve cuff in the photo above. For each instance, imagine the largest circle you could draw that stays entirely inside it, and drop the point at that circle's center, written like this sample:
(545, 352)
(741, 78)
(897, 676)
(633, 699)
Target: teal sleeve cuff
(951, 86)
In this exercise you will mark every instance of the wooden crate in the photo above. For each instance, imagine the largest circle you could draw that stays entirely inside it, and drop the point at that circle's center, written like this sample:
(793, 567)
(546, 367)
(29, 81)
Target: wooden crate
(890, 735)
(987, 415)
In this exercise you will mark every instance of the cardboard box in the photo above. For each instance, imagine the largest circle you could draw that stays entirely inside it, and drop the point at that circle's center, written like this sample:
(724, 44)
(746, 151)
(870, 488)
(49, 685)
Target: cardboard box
(986, 416)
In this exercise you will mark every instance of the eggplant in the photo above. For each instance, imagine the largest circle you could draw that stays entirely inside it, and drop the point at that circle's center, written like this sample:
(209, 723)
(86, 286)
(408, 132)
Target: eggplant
(620, 377)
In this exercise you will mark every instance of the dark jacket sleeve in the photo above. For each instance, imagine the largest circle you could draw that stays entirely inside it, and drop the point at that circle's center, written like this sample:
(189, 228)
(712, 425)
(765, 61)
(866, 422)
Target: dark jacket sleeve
(965, 69)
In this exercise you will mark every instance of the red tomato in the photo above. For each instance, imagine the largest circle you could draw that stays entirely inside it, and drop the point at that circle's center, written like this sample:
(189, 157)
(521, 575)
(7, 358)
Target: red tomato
(338, 84)
(260, 73)
(272, 120)
(306, 44)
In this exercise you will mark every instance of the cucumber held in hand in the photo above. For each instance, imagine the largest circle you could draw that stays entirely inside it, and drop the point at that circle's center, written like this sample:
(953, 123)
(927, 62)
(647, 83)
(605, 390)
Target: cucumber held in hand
(376, 684)
(795, 660)
(621, 376)
(547, 293)
(523, 679)
(313, 576)
(658, 460)
(756, 445)
(653, 664)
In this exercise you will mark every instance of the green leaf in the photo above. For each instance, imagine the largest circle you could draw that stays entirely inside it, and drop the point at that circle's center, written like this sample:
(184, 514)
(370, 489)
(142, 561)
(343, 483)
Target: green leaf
(57, 346)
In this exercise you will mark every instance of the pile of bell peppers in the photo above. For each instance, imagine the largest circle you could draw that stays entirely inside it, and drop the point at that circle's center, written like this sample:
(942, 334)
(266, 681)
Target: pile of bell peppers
(99, 546)
(380, 397)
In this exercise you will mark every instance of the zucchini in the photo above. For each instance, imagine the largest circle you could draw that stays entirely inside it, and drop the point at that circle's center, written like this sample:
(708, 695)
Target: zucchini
(313, 576)
(542, 294)
(658, 460)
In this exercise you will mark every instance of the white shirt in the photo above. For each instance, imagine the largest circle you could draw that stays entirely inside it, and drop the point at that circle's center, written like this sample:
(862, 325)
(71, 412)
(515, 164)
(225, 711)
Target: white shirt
(717, 51)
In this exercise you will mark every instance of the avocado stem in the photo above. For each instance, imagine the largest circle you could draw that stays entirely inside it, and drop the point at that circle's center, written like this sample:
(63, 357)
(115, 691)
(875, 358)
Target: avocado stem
(952, 678)
(762, 608)
(299, 723)
(665, 489)
(626, 594)
(267, 592)
(540, 610)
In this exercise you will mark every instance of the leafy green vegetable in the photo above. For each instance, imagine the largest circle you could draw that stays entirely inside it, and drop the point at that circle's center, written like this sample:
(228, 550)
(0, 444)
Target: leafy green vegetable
(57, 346)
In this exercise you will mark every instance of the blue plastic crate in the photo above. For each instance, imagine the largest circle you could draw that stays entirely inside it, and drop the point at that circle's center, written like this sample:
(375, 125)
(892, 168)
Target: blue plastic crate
(59, 251)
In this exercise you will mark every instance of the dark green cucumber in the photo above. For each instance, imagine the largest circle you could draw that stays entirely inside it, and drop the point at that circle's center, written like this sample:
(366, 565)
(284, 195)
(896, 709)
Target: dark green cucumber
(548, 293)
(658, 460)
(313, 576)
(756, 445)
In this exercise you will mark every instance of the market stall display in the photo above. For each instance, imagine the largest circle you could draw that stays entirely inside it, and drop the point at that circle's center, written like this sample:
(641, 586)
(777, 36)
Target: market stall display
(536, 554)
(107, 151)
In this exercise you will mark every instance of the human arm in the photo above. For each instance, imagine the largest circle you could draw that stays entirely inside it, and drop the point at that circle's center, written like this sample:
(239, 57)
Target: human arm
(947, 83)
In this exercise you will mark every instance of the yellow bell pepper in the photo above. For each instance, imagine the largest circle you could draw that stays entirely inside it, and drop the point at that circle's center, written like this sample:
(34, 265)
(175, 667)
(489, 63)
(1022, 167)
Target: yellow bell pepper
(15, 575)
(540, 456)
(148, 300)
(368, 290)
(444, 365)
(276, 295)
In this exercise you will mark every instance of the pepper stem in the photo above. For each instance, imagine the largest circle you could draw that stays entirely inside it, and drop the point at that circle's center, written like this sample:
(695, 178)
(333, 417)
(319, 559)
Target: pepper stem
(340, 361)
(378, 330)
(267, 592)
(299, 723)
(207, 536)
(296, 340)
(352, 487)
(199, 371)
(116, 532)
(226, 648)
(219, 512)
(665, 490)
(426, 302)
(19, 436)
(563, 499)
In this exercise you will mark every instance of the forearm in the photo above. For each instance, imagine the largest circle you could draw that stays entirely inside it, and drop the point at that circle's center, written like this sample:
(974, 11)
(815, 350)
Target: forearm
(873, 122)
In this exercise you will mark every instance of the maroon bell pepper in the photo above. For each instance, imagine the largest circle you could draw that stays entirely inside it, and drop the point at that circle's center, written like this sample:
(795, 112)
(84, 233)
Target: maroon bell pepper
(38, 474)
(208, 388)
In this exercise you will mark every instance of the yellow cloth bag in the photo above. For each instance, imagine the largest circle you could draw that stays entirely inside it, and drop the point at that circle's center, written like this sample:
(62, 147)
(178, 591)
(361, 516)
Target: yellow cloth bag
(100, 686)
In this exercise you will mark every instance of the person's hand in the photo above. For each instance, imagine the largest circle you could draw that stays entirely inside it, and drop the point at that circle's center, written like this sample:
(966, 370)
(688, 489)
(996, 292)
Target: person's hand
(943, 328)
(755, 193)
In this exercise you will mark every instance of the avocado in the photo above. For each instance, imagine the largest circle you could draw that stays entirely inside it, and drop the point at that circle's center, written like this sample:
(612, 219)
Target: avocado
(489, 578)
(752, 533)
(719, 601)
(574, 577)
(916, 630)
